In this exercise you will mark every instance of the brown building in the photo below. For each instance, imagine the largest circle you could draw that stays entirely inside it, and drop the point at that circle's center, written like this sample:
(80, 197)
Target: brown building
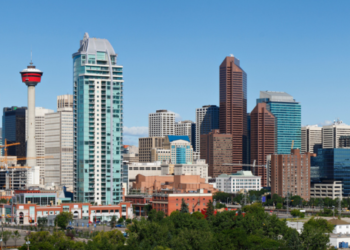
(262, 139)
(216, 149)
(180, 183)
(291, 174)
(233, 107)
(145, 146)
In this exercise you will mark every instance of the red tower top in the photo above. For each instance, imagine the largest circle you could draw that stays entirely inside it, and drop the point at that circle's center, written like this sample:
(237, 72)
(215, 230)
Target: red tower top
(31, 76)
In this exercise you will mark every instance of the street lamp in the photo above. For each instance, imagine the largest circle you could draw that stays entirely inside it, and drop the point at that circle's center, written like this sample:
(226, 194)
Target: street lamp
(27, 243)
(333, 212)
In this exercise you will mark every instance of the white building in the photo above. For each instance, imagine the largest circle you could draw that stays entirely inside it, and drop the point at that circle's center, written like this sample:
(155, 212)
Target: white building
(187, 128)
(234, 183)
(340, 226)
(146, 169)
(199, 167)
(161, 123)
(39, 137)
(310, 135)
(59, 144)
(332, 133)
(33, 176)
(328, 188)
(207, 118)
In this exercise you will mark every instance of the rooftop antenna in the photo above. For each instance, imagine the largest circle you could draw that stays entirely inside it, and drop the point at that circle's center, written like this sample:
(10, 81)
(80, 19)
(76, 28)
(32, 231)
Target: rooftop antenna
(31, 56)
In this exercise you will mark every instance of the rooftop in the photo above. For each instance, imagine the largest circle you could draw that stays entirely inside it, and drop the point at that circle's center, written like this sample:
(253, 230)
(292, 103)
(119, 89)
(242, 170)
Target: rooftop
(275, 96)
(240, 174)
(92, 45)
(338, 222)
(178, 137)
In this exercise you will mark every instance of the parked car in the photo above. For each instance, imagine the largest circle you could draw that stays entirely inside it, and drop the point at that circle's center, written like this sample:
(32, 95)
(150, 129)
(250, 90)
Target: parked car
(70, 228)
(119, 225)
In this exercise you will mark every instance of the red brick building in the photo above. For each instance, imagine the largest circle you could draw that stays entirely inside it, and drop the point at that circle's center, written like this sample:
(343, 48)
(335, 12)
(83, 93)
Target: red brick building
(216, 149)
(169, 203)
(262, 139)
(291, 174)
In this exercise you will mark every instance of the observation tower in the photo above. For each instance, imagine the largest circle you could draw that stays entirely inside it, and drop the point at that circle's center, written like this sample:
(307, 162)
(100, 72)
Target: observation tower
(31, 77)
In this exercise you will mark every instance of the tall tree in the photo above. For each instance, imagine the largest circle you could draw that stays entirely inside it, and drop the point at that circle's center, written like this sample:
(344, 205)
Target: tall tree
(184, 207)
(210, 209)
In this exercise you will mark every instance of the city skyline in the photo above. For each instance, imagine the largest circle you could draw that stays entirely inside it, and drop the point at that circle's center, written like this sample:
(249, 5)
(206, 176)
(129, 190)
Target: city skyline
(268, 46)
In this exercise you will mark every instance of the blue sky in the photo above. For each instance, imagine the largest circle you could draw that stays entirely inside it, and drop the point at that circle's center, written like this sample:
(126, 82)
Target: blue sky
(171, 52)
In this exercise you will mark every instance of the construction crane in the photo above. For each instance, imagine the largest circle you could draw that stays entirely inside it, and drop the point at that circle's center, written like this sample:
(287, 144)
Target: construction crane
(8, 145)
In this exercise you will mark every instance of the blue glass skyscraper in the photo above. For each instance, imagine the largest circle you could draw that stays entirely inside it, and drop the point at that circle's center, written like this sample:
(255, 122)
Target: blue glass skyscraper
(333, 164)
(98, 122)
(287, 114)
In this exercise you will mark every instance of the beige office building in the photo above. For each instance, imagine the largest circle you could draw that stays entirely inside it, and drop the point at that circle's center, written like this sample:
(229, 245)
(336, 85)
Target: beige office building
(332, 133)
(145, 146)
(310, 136)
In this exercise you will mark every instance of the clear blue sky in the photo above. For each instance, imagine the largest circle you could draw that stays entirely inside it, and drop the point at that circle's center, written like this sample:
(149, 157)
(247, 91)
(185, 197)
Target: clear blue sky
(171, 52)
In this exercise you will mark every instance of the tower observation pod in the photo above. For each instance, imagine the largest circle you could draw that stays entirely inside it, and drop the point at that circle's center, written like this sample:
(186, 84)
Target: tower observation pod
(31, 77)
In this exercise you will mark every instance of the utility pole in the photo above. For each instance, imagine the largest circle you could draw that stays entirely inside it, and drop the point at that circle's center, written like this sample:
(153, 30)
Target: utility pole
(339, 206)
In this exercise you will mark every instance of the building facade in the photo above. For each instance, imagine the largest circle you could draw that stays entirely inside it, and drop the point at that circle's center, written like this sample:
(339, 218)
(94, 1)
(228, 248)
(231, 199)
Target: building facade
(327, 189)
(187, 128)
(59, 141)
(145, 146)
(334, 164)
(290, 174)
(331, 134)
(39, 138)
(198, 167)
(14, 130)
(207, 119)
(146, 169)
(287, 114)
(233, 106)
(310, 136)
(216, 150)
(240, 181)
(161, 123)
(98, 122)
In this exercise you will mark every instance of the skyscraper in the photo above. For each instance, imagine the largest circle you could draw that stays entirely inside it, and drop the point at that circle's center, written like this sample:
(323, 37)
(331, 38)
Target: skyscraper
(59, 143)
(332, 133)
(233, 106)
(98, 122)
(216, 150)
(39, 138)
(187, 128)
(207, 119)
(14, 130)
(287, 114)
(310, 136)
(161, 123)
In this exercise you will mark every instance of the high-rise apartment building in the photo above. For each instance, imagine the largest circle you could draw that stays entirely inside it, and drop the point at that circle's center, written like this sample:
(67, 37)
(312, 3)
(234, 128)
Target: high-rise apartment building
(290, 174)
(262, 139)
(145, 146)
(332, 133)
(14, 130)
(287, 114)
(310, 136)
(207, 119)
(39, 138)
(187, 128)
(98, 122)
(59, 141)
(216, 150)
(233, 106)
(161, 123)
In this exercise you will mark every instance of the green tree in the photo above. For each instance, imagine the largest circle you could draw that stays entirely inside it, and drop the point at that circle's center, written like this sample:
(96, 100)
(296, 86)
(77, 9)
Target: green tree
(63, 219)
(184, 207)
(42, 222)
(279, 206)
(322, 224)
(113, 221)
(15, 236)
(114, 238)
(198, 215)
(121, 220)
(222, 196)
(219, 205)
(6, 235)
(210, 209)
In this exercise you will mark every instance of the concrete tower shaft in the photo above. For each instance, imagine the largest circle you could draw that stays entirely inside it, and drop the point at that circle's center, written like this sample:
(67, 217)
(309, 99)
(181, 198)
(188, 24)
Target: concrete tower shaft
(31, 77)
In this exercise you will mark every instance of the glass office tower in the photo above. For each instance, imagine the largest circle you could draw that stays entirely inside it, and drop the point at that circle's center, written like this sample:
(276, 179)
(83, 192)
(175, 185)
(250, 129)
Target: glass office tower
(98, 122)
(287, 114)
(333, 164)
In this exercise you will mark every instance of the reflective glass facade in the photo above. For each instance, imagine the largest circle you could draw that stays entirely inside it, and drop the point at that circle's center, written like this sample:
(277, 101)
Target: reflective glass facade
(287, 124)
(98, 123)
(334, 164)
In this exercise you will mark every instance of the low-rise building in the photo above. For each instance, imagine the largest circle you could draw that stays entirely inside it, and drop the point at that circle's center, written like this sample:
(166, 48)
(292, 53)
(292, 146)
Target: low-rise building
(179, 183)
(340, 226)
(139, 201)
(199, 167)
(326, 189)
(143, 168)
(170, 202)
(234, 183)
